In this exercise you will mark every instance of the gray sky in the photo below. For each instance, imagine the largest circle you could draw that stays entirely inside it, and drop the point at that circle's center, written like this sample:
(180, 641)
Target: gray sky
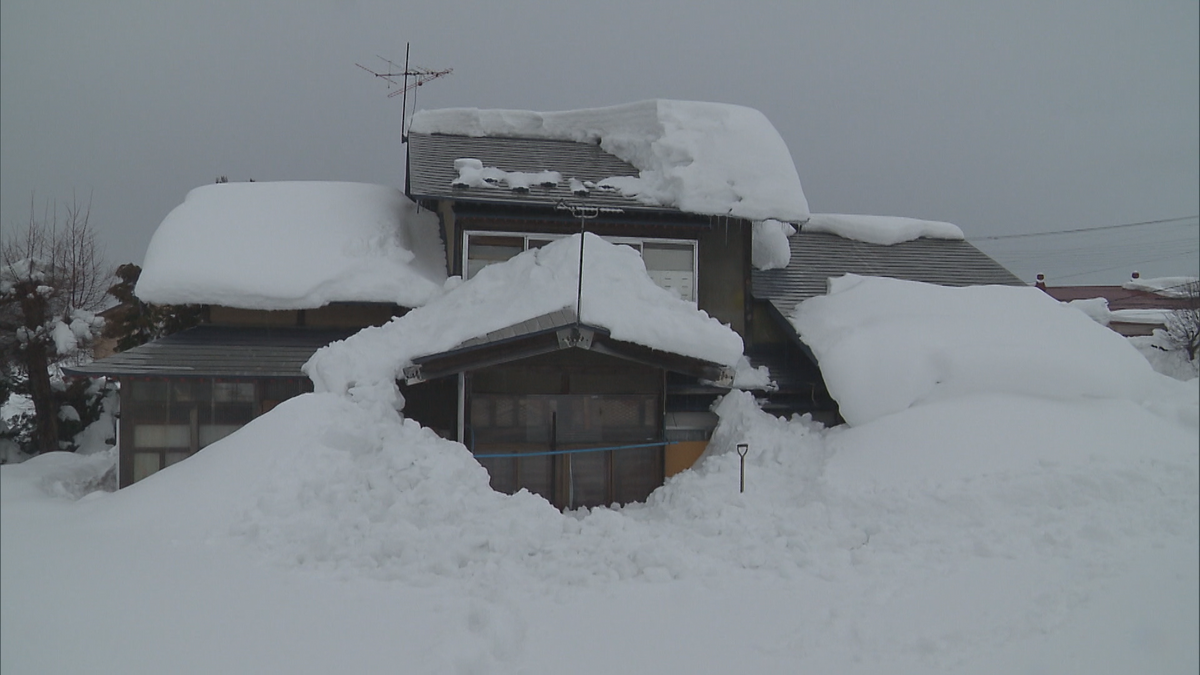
(1003, 117)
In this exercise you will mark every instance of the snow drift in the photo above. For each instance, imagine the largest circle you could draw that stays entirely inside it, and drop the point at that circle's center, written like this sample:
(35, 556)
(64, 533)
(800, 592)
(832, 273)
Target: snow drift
(885, 345)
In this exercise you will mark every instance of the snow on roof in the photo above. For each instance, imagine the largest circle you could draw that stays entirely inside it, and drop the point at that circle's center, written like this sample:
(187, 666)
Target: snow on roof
(885, 345)
(293, 245)
(884, 230)
(1168, 287)
(1098, 310)
(770, 249)
(618, 295)
(707, 158)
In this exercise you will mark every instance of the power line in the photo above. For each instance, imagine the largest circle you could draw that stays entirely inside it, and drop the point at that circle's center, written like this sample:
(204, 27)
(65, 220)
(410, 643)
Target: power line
(1088, 229)
(1127, 264)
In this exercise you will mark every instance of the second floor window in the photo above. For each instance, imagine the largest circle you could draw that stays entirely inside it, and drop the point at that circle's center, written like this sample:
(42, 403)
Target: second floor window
(671, 263)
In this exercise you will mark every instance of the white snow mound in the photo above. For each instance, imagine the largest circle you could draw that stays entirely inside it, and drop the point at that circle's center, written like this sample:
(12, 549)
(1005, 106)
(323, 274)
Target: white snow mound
(885, 345)
(293, 245)
(883, 230)
(618, 295)
(708, 158)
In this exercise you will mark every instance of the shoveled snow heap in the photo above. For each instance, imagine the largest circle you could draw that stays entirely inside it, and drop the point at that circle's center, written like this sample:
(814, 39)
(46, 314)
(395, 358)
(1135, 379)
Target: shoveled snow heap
(884, 230)
(293, 245)
(885, 345)
(988, 533)
(618, 295)
(709, 158)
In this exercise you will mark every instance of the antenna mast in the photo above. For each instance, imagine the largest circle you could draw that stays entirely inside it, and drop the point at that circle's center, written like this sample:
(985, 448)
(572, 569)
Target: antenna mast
(419, 77)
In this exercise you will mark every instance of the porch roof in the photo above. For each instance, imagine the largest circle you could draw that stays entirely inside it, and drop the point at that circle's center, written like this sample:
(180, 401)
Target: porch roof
(552, 332)
(217, 352)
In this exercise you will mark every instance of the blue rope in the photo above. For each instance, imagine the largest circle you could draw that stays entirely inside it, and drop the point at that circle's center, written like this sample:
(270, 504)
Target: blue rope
(569, 452)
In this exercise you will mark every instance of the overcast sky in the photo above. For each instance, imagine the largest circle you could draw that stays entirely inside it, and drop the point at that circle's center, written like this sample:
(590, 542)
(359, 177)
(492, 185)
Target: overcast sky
(1003, 117)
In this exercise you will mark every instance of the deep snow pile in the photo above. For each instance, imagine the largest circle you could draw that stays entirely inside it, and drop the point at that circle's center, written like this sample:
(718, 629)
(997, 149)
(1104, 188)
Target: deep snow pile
(710, 158)
(293, 245)
(885, 345)
(985, 534)
(617, 295)
(983, 529)
(884, 230)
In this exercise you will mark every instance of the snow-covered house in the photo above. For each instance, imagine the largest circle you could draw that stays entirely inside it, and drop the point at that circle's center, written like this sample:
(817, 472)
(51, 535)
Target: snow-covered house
(281, 269)
(564, 293)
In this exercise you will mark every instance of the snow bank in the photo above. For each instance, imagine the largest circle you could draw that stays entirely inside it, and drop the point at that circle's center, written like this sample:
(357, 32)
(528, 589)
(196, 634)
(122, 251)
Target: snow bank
(617, 295)
(710, 158)
(770, 245)
(883, 230)
(61, 475)
(987, 533)
(1165, 356)
(885, 345)
(293, 245)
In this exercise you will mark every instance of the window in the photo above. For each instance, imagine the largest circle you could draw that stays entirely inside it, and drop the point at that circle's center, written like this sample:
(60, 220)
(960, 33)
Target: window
(165, 421)
(671, 263)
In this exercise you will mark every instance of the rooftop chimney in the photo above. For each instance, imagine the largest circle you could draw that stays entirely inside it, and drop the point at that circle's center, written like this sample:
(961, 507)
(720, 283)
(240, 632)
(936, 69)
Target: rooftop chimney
(1041, 281)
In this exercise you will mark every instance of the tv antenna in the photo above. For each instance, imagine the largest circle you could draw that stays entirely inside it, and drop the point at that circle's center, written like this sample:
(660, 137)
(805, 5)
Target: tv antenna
(413, 77)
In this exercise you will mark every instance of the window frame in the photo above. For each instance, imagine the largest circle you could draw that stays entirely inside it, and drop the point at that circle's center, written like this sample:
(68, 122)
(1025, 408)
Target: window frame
(635, 242)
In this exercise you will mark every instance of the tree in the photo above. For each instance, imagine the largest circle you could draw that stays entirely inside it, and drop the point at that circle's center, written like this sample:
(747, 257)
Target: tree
(135, 322)
(1183, 325)
(52, 282)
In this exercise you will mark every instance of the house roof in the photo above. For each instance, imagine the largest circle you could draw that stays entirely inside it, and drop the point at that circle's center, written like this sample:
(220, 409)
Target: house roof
(704, 158)
(818, 256)
(431, 171)
(218, 352)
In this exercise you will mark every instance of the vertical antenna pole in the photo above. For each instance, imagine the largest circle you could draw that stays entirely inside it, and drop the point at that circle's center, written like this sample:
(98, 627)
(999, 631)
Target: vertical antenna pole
(404, 100)
(579, 291)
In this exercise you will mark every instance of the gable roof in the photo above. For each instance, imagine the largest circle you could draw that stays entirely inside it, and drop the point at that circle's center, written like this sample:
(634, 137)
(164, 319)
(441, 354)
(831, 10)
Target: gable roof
(221, 352)
(431, 171)
(818, 256)
(554, 331)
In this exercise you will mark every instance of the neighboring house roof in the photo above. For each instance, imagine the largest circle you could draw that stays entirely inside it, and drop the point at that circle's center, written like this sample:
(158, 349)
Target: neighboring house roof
(818, 256)
(1118, 297)
(218, 352)
(431, 171)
